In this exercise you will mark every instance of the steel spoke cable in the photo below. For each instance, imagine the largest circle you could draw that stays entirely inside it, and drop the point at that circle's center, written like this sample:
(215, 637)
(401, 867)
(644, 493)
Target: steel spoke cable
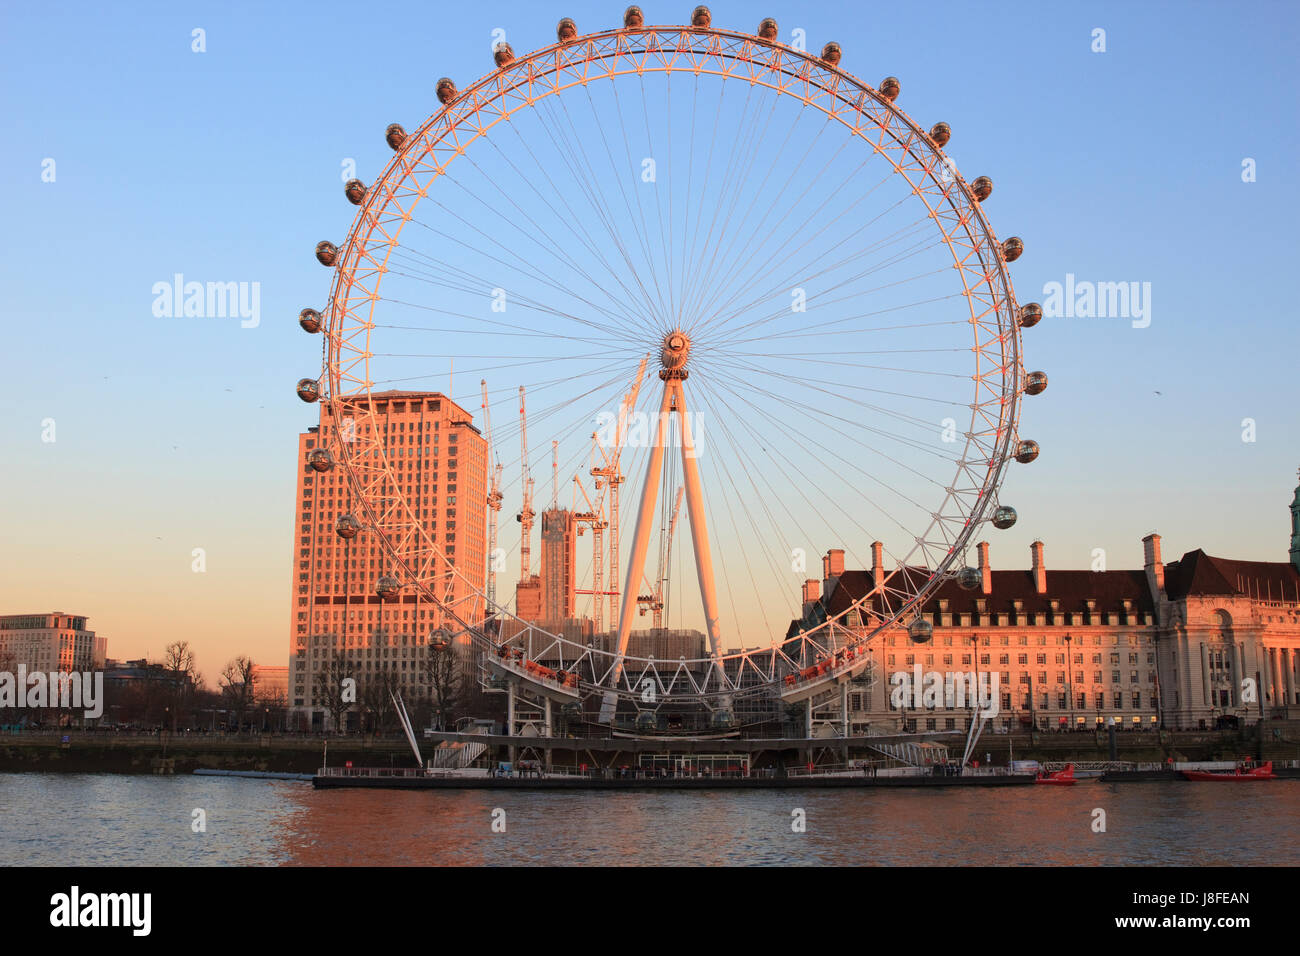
(585, 239)
(769, 267)
(797, 440)
(737, 332)
(735, 181)
(800, 277)
(734, 174)
(557, 250)
(735, 264)
(570, 160)
(855, 425)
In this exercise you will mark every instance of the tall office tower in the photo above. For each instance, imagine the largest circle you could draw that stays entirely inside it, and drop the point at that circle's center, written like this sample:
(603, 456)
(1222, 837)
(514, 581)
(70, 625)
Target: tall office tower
(439, 460)
(558, 557)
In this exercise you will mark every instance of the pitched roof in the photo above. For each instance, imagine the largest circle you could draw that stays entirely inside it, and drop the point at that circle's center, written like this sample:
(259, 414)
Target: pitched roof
(1070, 589)
(1199, 573)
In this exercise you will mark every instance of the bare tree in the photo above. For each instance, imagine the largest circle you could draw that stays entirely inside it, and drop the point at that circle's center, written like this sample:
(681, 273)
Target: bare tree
(377, 700)
(329, 688)
(440, 673)
(182, 667)
(237, 687)
(9, 665)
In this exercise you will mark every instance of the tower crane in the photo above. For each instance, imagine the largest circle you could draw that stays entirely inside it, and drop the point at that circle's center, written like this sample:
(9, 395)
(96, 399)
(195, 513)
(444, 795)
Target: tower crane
(526, 513)
(493, 501)
(655, 600)
(609, 477)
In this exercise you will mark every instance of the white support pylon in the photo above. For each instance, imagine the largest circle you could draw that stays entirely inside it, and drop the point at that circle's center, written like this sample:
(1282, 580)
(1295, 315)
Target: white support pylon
(676, 348)
(699, 527)
(640, 544)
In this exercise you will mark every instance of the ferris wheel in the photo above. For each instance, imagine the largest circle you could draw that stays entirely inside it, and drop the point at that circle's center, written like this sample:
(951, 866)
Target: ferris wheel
(755, 314)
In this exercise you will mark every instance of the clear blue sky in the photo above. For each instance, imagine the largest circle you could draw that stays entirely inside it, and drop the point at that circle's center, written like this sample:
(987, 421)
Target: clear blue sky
(180, 433)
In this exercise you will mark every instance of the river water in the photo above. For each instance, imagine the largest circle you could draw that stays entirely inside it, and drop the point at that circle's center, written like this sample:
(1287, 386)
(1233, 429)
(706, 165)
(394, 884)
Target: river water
(100, 819)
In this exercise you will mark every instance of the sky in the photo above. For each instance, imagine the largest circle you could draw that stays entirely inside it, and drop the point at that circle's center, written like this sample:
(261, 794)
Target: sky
(172, 434)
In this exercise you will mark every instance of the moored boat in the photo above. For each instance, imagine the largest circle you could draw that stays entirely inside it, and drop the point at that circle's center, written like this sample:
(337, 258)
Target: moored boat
(1058, 778)
(1238, 774)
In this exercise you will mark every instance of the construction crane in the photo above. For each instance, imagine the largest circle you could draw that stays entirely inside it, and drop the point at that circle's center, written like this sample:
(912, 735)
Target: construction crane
(655, 600)
(609, 477)
(493, 501)
(526, 513)
(555, 475)
(594, 518)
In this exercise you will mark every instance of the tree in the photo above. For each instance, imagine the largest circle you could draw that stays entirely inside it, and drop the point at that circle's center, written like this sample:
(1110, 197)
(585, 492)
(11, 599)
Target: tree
(182, 667)
(9, 665)
(329, 688)
(440, 673)
(377, 699)
(237, 687)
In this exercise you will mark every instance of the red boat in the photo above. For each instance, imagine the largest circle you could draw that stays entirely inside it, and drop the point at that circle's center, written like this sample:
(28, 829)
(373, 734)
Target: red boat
(1241, 772)
(1059, 778)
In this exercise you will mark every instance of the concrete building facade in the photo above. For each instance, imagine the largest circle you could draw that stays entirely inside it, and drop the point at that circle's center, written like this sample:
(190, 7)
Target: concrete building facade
(51, 642)
(1199, 642)
(439, 460)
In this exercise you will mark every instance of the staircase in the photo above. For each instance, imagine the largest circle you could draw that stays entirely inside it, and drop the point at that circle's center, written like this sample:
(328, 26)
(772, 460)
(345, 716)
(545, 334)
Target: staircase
(456, 755)
(913, 754)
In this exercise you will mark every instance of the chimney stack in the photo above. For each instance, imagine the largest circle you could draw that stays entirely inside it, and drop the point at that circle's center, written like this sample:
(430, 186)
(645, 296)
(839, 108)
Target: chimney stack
(810, 591)
(1040, 571)
(877, 564)
(1155, 568)
(835, 559)
(986, 572)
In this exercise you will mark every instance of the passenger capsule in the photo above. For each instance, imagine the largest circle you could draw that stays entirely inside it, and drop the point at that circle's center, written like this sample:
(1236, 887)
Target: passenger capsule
(941, 133)
(767, 29)
(1031, 313)
(982, 188)
(566, 30)
(446, 90)
(646, 720)
(1004, 517)
(326, 253)
(633, 18)
(701, 17)
(1026, 451)
(831, 53)
(388, 588)
(320, 459)
(1036, 383)
(921, 630)
(1012, 249)
(503, 54)
(347, 527)
(572, 710)
(890, 88)
(308, 389)
(723, 719)
(395, 136)
(310, 320)
(439, 640)
(968, 579)
(355, 190)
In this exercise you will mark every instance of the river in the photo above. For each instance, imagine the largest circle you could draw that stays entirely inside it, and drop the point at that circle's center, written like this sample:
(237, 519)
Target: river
(109, 820)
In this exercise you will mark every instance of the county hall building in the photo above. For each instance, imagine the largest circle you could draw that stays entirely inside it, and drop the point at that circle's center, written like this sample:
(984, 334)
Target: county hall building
(1199, 642)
